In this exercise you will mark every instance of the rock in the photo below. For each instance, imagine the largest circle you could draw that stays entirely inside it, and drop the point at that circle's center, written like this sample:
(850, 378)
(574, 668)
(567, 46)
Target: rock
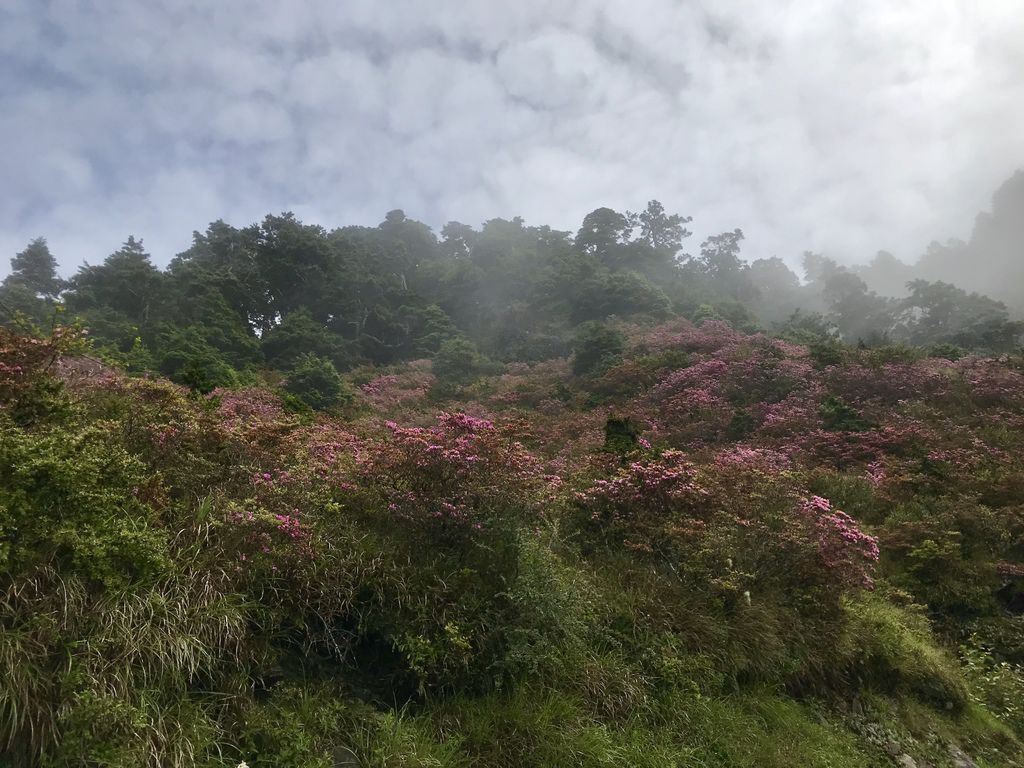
(892, 748)
(960, 758)
(906, 761)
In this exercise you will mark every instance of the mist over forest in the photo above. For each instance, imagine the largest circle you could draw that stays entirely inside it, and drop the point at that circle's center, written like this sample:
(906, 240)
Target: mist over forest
(269, 293)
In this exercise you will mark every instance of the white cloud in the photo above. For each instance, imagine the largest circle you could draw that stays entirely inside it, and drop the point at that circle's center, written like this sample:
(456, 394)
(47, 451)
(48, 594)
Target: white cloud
(818, 124)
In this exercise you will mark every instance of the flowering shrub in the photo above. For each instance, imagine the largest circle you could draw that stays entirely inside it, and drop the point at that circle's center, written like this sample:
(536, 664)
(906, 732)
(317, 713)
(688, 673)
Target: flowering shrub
(274, 543)
(390, 391)
(743, 513)
(991, 382)
(455, 551)
(846, 551)
(892, 382)
(462, 472)
(648, 503)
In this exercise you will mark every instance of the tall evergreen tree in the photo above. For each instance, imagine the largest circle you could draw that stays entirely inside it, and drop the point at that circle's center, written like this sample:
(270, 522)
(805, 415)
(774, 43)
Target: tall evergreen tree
(36, 269)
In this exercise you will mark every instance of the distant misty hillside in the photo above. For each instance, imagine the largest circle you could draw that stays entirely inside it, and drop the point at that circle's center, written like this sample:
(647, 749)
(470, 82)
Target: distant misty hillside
(990, 263)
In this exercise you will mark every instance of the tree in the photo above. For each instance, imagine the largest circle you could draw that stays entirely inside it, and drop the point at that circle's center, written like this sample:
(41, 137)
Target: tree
(720, 255)
(297, 265)
(223, 259)
(126, 282)
(617, 293)
(20, 304)
(858, 313)
(776, 288)
(596, 347)
(417, 240)
(36, 269)
(720, 264)
(662, 231)
(458, 240)
(186, 357)
(602, 231)
(458, 362)
(298, 334)
(120, 298)
(886, 275)
(316, 382)
(940, 313)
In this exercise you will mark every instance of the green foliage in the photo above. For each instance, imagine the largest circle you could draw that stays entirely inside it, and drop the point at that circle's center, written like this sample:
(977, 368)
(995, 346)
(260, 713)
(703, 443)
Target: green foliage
(297, 335)
(596, 347)
(621, 294)
(888, 648)
(620, 436)
(297, 726)
(946, 351)
(458, 363)
(315, 381)
(837, 416)
(21, 307)
(741, 425)
(944, 314)
(826, 351)
(250, 573)
(35, 268)
(187, 358)
(995, 683)
(73, 502)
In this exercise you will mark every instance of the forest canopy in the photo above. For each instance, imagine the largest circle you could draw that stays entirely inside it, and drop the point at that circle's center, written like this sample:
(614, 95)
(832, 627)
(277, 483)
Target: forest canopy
(273, 293)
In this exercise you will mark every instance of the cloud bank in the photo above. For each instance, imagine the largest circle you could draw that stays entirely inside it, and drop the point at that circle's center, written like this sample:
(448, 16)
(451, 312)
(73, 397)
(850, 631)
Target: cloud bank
(837, 127)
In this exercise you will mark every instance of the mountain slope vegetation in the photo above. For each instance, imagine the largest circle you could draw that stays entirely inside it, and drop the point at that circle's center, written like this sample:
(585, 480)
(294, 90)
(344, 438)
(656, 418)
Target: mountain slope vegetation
(507, 498)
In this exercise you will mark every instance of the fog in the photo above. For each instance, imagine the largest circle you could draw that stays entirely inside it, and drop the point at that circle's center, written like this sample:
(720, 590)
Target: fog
(838, 128)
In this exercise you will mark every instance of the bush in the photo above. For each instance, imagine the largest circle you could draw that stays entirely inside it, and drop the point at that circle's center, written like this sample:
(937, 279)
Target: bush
(837, 416)
(187, 358)
(826, 352)
(889, 648)
(596, 348)
(996, 683)
(458, 363)
(316, 382)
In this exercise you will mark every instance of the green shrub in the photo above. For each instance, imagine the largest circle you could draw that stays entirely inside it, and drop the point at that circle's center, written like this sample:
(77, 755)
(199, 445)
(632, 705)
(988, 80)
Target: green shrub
(837, 416)
(826, 352)
(995, 683)
(458, 363)
(889, 648)
(315, 381)
(596, 347)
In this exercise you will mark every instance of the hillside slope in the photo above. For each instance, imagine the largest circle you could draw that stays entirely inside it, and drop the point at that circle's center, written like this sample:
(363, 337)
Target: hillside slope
(699, 548)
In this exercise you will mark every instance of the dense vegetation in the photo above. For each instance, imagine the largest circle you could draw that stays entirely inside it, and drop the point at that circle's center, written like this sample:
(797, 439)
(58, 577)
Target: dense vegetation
(510, 498)
(271, 295)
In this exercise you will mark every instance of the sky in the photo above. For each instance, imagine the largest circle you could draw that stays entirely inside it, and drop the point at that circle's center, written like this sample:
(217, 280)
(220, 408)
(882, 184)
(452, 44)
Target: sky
(823, 125)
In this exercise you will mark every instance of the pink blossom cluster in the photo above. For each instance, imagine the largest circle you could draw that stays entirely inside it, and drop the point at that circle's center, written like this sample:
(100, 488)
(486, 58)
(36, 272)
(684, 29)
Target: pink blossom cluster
(765, 460)
(892, 382)
(649, 486)
(391, 391)
(796, 412)
(291, 526)
(240, 409)
(843, 449)
(460, 470)
(992, 382)
(710, 336)
(271, 478)
(844, 548)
